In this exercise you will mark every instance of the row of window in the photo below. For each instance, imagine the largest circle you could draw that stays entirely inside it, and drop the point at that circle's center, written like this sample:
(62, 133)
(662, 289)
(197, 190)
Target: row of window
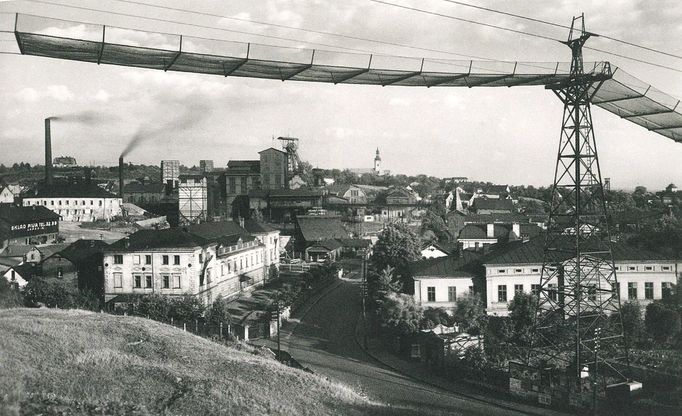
(618, 268)
(553, 292)
(67, 202)
(146, 281)
(452, 293)
(165, 259)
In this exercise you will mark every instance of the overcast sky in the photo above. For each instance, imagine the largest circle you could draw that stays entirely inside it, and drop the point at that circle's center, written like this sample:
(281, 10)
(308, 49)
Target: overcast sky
(504, 135)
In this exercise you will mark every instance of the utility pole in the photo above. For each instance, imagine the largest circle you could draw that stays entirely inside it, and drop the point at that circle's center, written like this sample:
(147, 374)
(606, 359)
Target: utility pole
(364, 296)
(275, 314)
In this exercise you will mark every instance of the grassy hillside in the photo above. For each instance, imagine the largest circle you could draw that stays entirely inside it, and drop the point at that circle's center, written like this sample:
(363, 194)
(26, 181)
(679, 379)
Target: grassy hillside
(77, 362)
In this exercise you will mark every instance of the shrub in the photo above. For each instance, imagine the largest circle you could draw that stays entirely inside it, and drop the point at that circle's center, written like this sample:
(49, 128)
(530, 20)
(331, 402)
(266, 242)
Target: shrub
(154, 306)
(662, 323)
(217, 313)
(56, 293)
(186, 308)
(10, 296)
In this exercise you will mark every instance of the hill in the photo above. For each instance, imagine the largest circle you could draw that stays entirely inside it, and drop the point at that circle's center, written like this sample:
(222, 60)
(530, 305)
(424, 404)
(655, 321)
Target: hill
(81, 363)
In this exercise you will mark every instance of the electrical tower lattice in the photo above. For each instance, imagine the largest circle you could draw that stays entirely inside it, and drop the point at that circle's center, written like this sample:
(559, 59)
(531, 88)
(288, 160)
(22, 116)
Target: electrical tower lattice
(578, 325)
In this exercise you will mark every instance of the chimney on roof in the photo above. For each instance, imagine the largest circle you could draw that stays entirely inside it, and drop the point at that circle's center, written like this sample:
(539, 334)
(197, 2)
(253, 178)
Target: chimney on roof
(120, 177)
(516, 230)
(490, 230)
(48, 153)
(126, 242)
(241, 222)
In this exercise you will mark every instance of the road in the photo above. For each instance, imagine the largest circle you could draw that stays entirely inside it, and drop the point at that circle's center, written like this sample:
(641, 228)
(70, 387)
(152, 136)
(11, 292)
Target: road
(324, 340)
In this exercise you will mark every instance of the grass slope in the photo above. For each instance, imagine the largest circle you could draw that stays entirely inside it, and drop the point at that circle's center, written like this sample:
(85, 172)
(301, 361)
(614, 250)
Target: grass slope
(77, 362)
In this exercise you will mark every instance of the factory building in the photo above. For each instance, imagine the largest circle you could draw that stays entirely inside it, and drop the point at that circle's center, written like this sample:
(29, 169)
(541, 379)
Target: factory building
(240, 177)
(274, 169)
(81, 201)
(193, 199)
(206, 166)
(204, 260)
(170, 173)
(27, 225)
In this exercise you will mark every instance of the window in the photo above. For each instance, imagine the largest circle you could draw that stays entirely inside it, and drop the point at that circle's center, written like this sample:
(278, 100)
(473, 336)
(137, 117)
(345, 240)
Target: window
(176, 281)
(632, 290)
(208, 276)
(176, 260)
(100, 203)
(51, 202)
(148, 281)
(552, 289)
(164, 259)
(83, 202)
(471, 289)
(91, 202)
(118, 280)
(665, 268)
(452, 293)
(535, 289)
(118, 259)
(222, 269)
(431, 294)
(518, 270)
(166, 281)
(649, 268)
(66, 202)
(666, 289)
(502, 271)
(148, 259)
(136, 259)
(632, 268)
(60, 202)
(137, 279)
(229, 267)
(518, 289)
(201, 258)
(648, 290)
(502, 293)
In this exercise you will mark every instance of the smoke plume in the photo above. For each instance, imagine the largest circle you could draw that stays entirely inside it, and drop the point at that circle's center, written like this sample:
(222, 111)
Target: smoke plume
(187, 117)
(84, 117)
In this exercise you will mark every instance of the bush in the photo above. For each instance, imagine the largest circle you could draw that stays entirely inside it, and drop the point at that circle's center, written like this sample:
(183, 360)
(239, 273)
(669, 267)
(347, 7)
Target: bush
(217, 313)
(56, 293)
(156, 307)
(662, 323)
(633, 325)
(186, 308)
(10, 295)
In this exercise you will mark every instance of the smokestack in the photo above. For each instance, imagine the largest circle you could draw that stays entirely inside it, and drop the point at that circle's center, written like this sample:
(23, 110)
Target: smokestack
(48, 153)
(120, 177)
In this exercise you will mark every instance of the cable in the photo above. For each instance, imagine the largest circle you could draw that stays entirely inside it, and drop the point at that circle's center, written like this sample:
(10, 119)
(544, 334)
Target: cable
(518, 16)
(521, 32)
(319, 32)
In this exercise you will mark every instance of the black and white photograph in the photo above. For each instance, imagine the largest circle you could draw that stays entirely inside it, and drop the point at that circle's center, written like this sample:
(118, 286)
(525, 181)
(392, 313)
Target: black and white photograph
(360, 207)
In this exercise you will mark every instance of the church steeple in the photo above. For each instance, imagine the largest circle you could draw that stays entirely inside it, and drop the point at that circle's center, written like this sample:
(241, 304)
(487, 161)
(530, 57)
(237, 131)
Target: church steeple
(377, 162)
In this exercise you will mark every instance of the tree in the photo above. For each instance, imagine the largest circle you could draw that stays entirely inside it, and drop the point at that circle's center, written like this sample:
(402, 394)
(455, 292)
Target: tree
(435, 316)
(218, 313)
(382, 283)
(10, 296)
(154, 306)
(470, 314)
(661, 322)
(273, 273)
(522, 315)
(186, 308)
(633, 325)
(397, 247)
(398, 312)
(433, 222)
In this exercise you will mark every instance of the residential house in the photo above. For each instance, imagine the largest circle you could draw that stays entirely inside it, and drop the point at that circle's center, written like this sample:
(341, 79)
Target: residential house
(351, 193)
(268, 236)
(434, 251)
(401, 196)
(477, 236)
(323, 250)
(642, 275)
(20, 274)
(313, 228)
(6, 195)
(439, 282)
(492, 206)
(80, 261)
(36, 254)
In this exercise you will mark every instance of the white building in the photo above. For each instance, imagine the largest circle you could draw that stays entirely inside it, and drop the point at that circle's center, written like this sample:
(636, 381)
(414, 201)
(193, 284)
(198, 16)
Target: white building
(77, 202)
(439, 282)
(434, 251)
(641, 275)
(268, 236)
(205, 260)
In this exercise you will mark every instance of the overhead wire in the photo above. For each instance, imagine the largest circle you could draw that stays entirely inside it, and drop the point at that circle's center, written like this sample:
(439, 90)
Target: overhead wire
(563, 26)
(521, 32)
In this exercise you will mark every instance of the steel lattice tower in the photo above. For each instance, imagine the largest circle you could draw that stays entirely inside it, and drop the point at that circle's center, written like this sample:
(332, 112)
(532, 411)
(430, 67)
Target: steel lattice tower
(578, 324)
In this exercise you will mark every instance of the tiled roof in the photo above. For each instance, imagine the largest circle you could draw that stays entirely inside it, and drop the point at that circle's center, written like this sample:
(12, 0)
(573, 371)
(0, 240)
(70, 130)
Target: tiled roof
(217, 230)
(480, 231)
(327, 245)
(48, 250)
(83, 250)
(26, 270)
(13, 214)
(450, 266)
(16, 251)
(321, 228)
(150, 239)
(493, 204)
(150, 188)
(496, 189)
(272, 148)
(69, 190)
(505, 217)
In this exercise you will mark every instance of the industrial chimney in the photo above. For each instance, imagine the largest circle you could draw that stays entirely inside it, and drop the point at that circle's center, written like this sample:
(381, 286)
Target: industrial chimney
(48, 153)
(120, 177)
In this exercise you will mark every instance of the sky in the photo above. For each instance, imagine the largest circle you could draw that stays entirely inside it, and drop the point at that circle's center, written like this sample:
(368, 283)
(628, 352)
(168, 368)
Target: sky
(502, 135)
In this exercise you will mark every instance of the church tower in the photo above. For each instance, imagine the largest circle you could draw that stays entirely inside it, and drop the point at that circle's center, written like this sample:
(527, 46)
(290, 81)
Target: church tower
(377, 162)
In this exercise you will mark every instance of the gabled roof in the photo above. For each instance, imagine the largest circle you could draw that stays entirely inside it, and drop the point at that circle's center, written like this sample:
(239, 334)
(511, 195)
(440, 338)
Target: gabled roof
(49, 250)
(329, 245)
(271, 149)
(16, 251)
(255, 227)
(494, 204)
(217, 230)
(496, 189)
(341, 189)
(26, 270)
(83, 250)
(480, 231)
(459, 265)
(318, 228)
(242, 166)
(13, 214)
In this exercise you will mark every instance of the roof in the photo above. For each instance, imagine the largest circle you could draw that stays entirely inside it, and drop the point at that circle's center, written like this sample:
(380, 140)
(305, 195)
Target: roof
(318, 228)
(16, 251)
(69, 190)
(13, 214)
(272, 148)
(493, 204)
(341, 189)
(151, 239)
(496, 189)
(500, 231)
(329, 245)
(531, 252)
(499, 217)
(26, 270)
(255, 227)
(214, 231)
(242, 166)
(81, 250)
(355, 242)
(137, 187)
(461, 265)
(48, 250)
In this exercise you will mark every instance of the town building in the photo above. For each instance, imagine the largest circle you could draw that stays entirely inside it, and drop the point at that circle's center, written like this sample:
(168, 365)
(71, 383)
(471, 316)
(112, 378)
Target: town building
(76, 201)
(350, 193)
(206, 166)
(274, 169)
(377, 163)
(143, 193)
(20, 275)
(64, 162)
(439, 282)
(27, 225)
(37, 253)
(203, 260)
(240, 177)
(476, 236)
(268, 236)
(311, 229)
(492, 206)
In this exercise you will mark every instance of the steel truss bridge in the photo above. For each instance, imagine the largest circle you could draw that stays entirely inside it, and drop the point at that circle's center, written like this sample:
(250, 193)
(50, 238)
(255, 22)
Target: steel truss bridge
(578, 325)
